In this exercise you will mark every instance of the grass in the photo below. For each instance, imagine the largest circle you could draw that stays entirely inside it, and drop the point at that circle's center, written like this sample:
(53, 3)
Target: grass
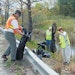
(14, 67)
(72, 68)
(56, 56)
(18, 36)
(58, 68)
(32, 44)
(67, 23)
(8, 63)
(18, 73)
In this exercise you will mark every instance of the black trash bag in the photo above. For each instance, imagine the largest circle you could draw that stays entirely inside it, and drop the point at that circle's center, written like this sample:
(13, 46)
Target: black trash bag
(20, 49)
(38, 53)
(46, 55)
(41, 45)
(21, 46)
(42, 51)
(42, 54)
(53, 46)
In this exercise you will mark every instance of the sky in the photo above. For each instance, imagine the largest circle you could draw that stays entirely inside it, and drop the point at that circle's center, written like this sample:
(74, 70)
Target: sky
(50, 3)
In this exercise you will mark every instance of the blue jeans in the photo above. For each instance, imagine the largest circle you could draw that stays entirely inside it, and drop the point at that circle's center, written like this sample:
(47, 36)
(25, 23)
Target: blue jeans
(48, 43)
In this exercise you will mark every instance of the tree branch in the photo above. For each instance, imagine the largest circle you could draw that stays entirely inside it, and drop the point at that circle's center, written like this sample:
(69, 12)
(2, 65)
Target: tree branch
(25, 3)
(36, 0)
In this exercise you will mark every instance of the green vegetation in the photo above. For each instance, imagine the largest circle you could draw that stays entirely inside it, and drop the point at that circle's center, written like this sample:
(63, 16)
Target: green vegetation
(19, 73)
(67, 7)
(43, 17)
(14, 66)
(32, 44)
(63, 13)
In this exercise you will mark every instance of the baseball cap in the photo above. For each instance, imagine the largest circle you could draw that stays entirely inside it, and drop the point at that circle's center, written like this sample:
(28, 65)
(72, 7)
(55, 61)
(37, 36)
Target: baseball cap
(18, 11)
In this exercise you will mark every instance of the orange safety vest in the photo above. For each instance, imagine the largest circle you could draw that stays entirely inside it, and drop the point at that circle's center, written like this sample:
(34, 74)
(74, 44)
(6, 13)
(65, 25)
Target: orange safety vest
(8, 24)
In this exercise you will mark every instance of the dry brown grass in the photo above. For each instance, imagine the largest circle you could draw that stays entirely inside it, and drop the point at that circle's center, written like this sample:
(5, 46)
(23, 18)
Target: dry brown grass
(57, 56)
(72, 68)
(58, 68)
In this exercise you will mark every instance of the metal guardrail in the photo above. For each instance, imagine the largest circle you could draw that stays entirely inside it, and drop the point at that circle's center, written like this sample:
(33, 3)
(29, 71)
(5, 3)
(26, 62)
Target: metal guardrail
(2, 30)
(41, 67)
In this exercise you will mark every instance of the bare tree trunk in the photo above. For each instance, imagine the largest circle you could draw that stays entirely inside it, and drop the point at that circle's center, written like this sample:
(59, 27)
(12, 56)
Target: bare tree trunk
(0, 8)
(7, 10)
(0, 13)
(29, 16)
(22, 12)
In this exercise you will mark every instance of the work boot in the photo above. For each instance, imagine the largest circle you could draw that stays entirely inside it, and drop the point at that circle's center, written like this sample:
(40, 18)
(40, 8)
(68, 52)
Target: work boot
(66, 63)
(4, 57)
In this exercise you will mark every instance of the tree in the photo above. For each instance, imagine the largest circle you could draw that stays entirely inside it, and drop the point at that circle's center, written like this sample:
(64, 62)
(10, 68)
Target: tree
(7, 6)
(28, 4)
(67, 7)
(0, 8)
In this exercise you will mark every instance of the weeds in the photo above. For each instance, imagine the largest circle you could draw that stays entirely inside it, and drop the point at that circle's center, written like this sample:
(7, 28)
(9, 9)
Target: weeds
(58, 68)
(19, 73)
(72, 68)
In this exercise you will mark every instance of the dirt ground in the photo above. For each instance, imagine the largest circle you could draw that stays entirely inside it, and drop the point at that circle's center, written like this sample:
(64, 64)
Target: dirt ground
(24, 67)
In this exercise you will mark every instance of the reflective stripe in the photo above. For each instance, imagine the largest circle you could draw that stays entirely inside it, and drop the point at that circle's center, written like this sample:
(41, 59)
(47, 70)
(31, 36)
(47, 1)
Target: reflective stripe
(11, 27)
(8, 24)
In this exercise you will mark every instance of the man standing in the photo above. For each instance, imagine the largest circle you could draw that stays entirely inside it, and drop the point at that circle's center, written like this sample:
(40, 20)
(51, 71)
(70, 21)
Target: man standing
(12, 27)
(48, 37)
